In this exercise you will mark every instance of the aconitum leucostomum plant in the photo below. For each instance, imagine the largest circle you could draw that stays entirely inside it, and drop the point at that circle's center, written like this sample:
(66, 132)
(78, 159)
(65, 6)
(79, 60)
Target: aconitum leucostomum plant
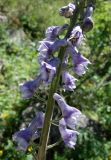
(54, 69)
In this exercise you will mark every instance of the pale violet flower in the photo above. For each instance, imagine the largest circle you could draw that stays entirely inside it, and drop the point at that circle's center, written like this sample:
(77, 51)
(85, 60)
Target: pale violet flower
(72, 116)
(76, 36)
(48, 48)
(37, 122)
(48, 70)
(69, 136)
(69, 81)
(29, 88)
(25, 136)
(67, 11)
(80, 62)
(45, 50)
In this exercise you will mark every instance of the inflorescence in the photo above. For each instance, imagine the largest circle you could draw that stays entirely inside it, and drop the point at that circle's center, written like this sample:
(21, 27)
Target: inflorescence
(72, 118)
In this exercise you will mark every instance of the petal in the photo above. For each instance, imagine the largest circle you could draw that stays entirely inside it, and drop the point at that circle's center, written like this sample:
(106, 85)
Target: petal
(25, 134)
(45, 50)
(54, 62)
(37, 122)
(54, 31)
(79, 61)
(29, 88)
(22, 139)
(62, 123)
(76, 36)
(69, 136)
(48, 69)
(59, 43)
(51, 32)
(44, 72)
(67, 110)
(69, 81)
(22, 145)
(61, 102)
(76, 120)
(80, 70)
(76, 32)
(72, 5)
(35, 136)
(72, 116)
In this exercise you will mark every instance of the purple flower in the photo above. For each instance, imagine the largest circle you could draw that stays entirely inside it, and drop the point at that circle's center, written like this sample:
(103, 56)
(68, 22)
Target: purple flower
(48, 70)
(54, 31)
(51, 43)
(72, 116)
(69, 81)
(69, 136)
(37, 122)
(24, 137)
(67, 11)
(29, 88)
(80, 62)
(76, 36)
(47, 48)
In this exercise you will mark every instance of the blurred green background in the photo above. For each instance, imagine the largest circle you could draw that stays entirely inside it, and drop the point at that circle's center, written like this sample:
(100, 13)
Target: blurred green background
(22, 25)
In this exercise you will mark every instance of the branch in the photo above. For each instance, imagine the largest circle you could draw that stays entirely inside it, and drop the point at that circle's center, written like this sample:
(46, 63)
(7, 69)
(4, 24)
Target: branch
(55, 144)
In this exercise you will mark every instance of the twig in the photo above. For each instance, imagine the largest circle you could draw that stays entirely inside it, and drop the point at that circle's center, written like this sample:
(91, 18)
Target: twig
(55, 144)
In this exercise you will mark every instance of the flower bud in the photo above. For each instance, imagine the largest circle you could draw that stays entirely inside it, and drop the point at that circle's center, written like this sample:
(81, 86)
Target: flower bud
(89, 11)
(67, 11)
(87, 24)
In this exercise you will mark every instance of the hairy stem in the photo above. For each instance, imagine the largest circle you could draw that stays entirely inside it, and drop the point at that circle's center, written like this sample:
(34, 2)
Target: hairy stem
(50, 103)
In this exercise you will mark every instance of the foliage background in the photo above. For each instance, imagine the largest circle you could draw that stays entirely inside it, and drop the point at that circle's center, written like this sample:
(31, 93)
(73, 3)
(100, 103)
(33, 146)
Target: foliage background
(23, 25)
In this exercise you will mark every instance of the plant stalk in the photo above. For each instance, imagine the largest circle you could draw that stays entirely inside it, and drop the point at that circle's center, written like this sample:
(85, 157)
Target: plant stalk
(50, 103)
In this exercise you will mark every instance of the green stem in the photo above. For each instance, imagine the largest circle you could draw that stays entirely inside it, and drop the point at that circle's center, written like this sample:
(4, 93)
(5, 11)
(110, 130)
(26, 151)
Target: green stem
(50, 103)
(49, 113)
(55, 144)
